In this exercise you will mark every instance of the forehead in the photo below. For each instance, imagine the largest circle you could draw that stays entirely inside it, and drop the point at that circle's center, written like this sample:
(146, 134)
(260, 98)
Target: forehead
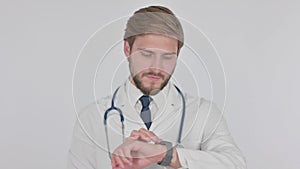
(155, 41)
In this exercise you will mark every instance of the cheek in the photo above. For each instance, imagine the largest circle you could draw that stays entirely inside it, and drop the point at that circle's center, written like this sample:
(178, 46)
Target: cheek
(168, 68)
(137, 69)
(138, 66)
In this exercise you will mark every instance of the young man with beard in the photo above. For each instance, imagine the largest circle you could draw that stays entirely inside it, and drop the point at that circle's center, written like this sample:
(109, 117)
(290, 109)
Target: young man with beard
(157, 135)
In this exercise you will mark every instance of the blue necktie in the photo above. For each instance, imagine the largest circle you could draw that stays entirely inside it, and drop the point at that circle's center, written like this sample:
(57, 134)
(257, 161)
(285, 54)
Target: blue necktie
(145, 112)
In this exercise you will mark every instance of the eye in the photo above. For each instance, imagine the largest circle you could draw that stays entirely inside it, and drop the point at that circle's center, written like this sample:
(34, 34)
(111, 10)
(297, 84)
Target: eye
(146, 54)
(169, 57)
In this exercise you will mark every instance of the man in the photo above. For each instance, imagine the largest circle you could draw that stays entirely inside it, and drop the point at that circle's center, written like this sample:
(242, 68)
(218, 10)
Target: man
(157, 135)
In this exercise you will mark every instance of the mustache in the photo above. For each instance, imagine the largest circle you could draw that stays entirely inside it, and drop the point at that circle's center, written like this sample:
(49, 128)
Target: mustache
(153, 74)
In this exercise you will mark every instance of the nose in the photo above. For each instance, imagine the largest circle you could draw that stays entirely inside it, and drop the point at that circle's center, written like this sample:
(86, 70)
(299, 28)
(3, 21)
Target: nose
(156, 64)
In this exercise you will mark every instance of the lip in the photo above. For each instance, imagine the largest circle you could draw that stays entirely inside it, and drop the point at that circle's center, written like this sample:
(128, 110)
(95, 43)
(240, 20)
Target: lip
(152, 77)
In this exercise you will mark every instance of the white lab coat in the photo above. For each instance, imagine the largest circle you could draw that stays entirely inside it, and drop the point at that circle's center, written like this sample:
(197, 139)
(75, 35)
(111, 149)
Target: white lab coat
(206, 140)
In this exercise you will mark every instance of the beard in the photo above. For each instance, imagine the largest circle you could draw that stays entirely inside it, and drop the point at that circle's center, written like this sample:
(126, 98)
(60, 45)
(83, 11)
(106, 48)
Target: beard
(151, 89)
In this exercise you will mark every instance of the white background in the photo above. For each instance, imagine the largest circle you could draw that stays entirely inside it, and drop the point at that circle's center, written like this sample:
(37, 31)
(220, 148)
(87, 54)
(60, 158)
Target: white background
(258, 42)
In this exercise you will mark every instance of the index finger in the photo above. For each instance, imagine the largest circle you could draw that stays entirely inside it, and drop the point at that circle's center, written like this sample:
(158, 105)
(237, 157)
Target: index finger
(151, 135)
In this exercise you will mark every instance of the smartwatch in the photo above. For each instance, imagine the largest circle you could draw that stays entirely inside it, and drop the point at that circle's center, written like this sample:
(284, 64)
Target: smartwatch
(167, 159)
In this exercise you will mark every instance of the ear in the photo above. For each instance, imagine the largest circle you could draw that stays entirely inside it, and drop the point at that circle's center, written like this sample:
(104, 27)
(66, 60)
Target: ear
(178, 52)
(126, 49)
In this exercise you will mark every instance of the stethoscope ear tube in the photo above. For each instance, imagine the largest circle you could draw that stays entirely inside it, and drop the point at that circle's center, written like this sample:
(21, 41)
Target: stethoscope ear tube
(182, 116)
(112, 107)
(105, 124)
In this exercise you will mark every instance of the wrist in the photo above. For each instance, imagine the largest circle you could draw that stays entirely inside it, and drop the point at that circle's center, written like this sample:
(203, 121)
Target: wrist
(167, 155)
(175, 163)
(163, 152)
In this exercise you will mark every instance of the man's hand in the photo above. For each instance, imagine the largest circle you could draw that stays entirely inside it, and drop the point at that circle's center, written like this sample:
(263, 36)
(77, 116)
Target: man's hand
(137, 154)
(145, 135)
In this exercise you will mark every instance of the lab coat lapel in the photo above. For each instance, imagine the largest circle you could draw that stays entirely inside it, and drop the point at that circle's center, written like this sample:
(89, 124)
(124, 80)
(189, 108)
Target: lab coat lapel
(168, 117)
(132, 119)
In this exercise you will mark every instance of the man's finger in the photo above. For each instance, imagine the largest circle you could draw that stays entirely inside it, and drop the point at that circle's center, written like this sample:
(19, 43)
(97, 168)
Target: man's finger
(125, 156)
(151, 135)
(133, 132)
(136, 135)
(113, 162)
(117, 161)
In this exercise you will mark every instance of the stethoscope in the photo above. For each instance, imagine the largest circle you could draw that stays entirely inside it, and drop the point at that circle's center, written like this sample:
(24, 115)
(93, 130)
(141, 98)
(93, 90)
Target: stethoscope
(113, 107)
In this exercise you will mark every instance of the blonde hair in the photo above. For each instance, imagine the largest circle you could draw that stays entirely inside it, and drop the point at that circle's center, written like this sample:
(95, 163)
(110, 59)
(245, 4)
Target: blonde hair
(155, 20)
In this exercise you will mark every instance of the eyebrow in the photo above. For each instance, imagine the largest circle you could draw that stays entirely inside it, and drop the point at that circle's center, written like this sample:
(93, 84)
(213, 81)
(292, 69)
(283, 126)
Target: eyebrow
(149, 51)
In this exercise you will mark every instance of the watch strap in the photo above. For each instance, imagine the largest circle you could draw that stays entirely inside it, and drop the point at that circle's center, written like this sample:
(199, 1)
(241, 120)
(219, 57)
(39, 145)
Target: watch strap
(167, 159)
